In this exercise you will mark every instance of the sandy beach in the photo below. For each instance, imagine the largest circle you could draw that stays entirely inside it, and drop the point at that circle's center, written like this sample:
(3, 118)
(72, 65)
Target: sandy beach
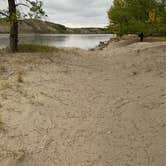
(84, 108)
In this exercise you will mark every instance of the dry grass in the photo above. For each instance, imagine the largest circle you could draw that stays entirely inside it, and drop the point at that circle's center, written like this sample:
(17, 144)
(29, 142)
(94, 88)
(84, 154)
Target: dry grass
(30, 48)
(36, 48)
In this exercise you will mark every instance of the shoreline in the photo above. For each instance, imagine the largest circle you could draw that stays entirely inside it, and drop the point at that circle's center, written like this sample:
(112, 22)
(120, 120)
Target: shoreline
(127, 40)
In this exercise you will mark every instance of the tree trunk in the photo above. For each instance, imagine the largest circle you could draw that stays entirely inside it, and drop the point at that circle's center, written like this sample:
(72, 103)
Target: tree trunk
(13, 26)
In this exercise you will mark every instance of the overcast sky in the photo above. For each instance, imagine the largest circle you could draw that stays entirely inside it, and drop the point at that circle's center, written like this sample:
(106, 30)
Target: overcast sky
(76, 13)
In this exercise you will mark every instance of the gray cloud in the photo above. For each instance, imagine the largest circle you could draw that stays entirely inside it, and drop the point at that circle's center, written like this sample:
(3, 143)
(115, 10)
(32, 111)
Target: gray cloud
(76, 13)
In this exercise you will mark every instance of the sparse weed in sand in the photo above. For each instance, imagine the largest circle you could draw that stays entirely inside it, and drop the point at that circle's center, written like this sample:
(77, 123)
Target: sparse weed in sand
(19, 76)
(20, 155)
(4, 96)
(19, 73)
(5, 85)
(2, 69)
(1, 125)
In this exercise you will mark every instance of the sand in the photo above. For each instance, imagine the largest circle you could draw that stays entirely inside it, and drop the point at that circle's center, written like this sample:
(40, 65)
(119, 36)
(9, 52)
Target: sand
(84, 108)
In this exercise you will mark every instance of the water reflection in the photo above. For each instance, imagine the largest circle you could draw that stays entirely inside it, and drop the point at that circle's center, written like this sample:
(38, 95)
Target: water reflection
(60, 40)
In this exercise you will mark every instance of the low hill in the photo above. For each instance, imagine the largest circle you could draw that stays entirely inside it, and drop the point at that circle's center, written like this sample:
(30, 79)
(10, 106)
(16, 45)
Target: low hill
(38, 26)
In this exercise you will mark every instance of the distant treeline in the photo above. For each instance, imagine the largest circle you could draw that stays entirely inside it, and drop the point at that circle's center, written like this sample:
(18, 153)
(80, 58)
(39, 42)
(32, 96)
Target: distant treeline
(138, 16)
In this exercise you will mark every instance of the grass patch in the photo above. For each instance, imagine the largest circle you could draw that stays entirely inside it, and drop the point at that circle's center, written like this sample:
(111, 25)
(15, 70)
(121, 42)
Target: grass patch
(36, 48)
(135, 37)
(125, 37)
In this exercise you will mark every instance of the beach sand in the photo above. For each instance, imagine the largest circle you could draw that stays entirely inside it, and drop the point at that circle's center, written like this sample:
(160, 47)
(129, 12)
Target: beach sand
(84, 108)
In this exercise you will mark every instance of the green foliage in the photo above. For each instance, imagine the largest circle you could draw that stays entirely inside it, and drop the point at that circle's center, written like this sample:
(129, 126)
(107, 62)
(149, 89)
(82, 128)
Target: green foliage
(36, 9)
(135, 16)
(4, 22)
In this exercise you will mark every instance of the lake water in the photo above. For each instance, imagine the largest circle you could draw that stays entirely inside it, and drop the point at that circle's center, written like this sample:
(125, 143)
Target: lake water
(86, 41)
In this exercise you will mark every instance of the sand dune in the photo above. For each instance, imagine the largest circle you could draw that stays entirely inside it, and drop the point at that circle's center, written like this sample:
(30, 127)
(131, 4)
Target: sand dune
(84, 108)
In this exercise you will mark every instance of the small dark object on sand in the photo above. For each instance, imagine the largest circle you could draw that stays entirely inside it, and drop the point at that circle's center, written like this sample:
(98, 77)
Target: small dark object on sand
(141, 35)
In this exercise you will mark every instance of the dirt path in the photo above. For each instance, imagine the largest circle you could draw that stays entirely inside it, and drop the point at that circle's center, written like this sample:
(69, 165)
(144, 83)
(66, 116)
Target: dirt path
(79, 108)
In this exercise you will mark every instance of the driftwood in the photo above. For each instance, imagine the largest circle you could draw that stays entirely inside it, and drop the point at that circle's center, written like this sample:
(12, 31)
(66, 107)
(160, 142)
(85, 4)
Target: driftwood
(101, 46)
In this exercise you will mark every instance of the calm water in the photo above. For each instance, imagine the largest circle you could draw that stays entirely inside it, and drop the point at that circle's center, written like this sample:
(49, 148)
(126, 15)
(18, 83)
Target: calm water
(60, 40)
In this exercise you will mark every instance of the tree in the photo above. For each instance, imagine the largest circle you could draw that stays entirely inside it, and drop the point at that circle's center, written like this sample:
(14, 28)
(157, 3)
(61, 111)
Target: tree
(137, 16)
(13, 14)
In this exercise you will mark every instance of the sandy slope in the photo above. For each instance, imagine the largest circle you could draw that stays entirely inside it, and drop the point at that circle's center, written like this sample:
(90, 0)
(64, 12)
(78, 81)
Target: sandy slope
(80, 108)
